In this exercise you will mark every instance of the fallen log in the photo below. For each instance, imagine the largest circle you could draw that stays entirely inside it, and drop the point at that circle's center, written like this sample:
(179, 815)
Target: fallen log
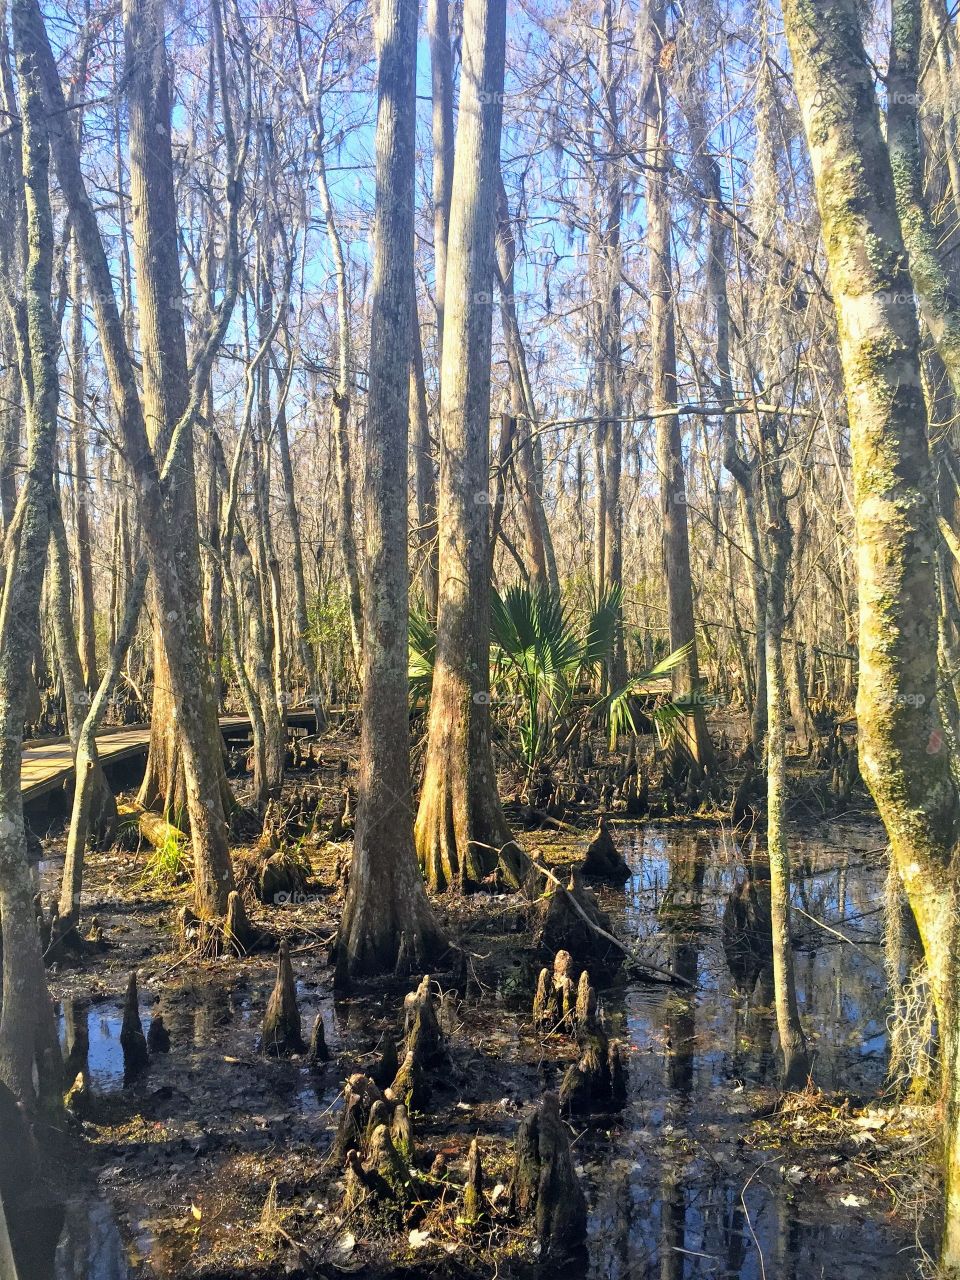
(133, 819)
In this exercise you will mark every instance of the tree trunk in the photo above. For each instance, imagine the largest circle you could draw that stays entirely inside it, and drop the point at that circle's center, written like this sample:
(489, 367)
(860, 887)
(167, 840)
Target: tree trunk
(102, 811)
(87, 758)
(301, 617)
(793, 1046)
(611, 341)
(461, 834)
(341, 404)
(213, 875)
(86, 636)
(441, 74)
(386, 913)
(166, 389)
(425, 484)
(26, 1018)
(900, 735)
(521, 455)
(694, 739)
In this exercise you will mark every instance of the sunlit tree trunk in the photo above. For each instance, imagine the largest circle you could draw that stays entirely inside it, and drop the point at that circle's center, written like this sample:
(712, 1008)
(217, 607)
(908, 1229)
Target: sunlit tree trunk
(793, 1048)
(307, 655)
(424, 479)
(441, 74)
(87, 758)
(165, 397)
(386, 912)
(461, 834)
(26, 1019)
(102, 815)
(213, 875)
(341, 403)
(522, 461)
(86, 637)
(611, 337)
(900, 735)
(694, 738)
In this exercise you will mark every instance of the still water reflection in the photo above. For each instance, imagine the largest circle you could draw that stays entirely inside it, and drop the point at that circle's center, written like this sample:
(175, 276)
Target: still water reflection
(677, 1194)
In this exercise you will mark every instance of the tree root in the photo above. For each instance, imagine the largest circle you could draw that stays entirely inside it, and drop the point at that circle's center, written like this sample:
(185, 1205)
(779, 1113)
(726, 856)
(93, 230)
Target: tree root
(375, 1141)
(282, 1029)
(133, 1042)
(555, 999)
(424, 1047)
(604, 860)
(544, 1183)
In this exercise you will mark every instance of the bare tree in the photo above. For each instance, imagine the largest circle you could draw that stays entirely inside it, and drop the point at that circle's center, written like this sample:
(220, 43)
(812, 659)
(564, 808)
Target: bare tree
(386, 917)
(461, 834)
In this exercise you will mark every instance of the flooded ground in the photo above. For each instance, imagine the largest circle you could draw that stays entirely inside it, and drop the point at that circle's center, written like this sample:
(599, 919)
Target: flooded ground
(693, 1178)
(687, 1190)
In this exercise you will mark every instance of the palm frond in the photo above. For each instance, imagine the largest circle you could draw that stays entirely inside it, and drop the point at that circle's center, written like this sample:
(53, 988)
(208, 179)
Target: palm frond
(422, 654)
(666, 714)
(602, 629)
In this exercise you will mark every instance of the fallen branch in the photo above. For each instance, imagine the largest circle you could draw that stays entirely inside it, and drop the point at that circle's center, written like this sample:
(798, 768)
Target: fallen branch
(631, 955)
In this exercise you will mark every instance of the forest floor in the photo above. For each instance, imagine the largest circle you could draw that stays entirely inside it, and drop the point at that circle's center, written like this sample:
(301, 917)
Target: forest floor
(700, 1174)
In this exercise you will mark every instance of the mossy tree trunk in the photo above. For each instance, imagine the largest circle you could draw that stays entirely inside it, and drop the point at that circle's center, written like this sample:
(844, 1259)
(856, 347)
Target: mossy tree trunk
(26, 1019)
(901, 754)
(386, 907)
(166, 389)
(213, 875)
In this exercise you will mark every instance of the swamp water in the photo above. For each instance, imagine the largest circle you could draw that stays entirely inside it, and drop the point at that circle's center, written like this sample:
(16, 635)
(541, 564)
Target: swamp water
(676, 1195)
(675, 1189)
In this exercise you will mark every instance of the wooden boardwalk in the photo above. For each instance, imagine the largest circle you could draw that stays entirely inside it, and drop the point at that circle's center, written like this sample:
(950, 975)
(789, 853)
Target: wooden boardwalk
(47, 765)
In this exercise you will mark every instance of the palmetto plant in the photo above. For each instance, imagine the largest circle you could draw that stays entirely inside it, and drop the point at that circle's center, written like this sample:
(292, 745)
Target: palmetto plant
(422, 655)
(545, 666)
(541, 656)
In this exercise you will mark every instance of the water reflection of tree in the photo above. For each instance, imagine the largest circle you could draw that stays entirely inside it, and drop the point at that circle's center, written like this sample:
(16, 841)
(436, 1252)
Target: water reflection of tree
(681, 922)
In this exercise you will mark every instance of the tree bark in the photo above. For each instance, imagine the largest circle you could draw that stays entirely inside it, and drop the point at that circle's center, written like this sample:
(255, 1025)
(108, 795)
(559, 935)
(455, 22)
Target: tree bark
(461, 834)
(900, 735)
(213, 875)
(425, 483)
(694, 739)
(26, 1017)
(87, 759)
(793, 1045)
(301, 617)
(166, 390)
(386, 913)
(441, 74)
(341, 403)
(102, 808)
(86, 635)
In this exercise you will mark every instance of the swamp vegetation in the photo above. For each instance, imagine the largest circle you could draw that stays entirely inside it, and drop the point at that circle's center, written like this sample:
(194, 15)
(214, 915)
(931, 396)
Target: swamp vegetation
(479, 633)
